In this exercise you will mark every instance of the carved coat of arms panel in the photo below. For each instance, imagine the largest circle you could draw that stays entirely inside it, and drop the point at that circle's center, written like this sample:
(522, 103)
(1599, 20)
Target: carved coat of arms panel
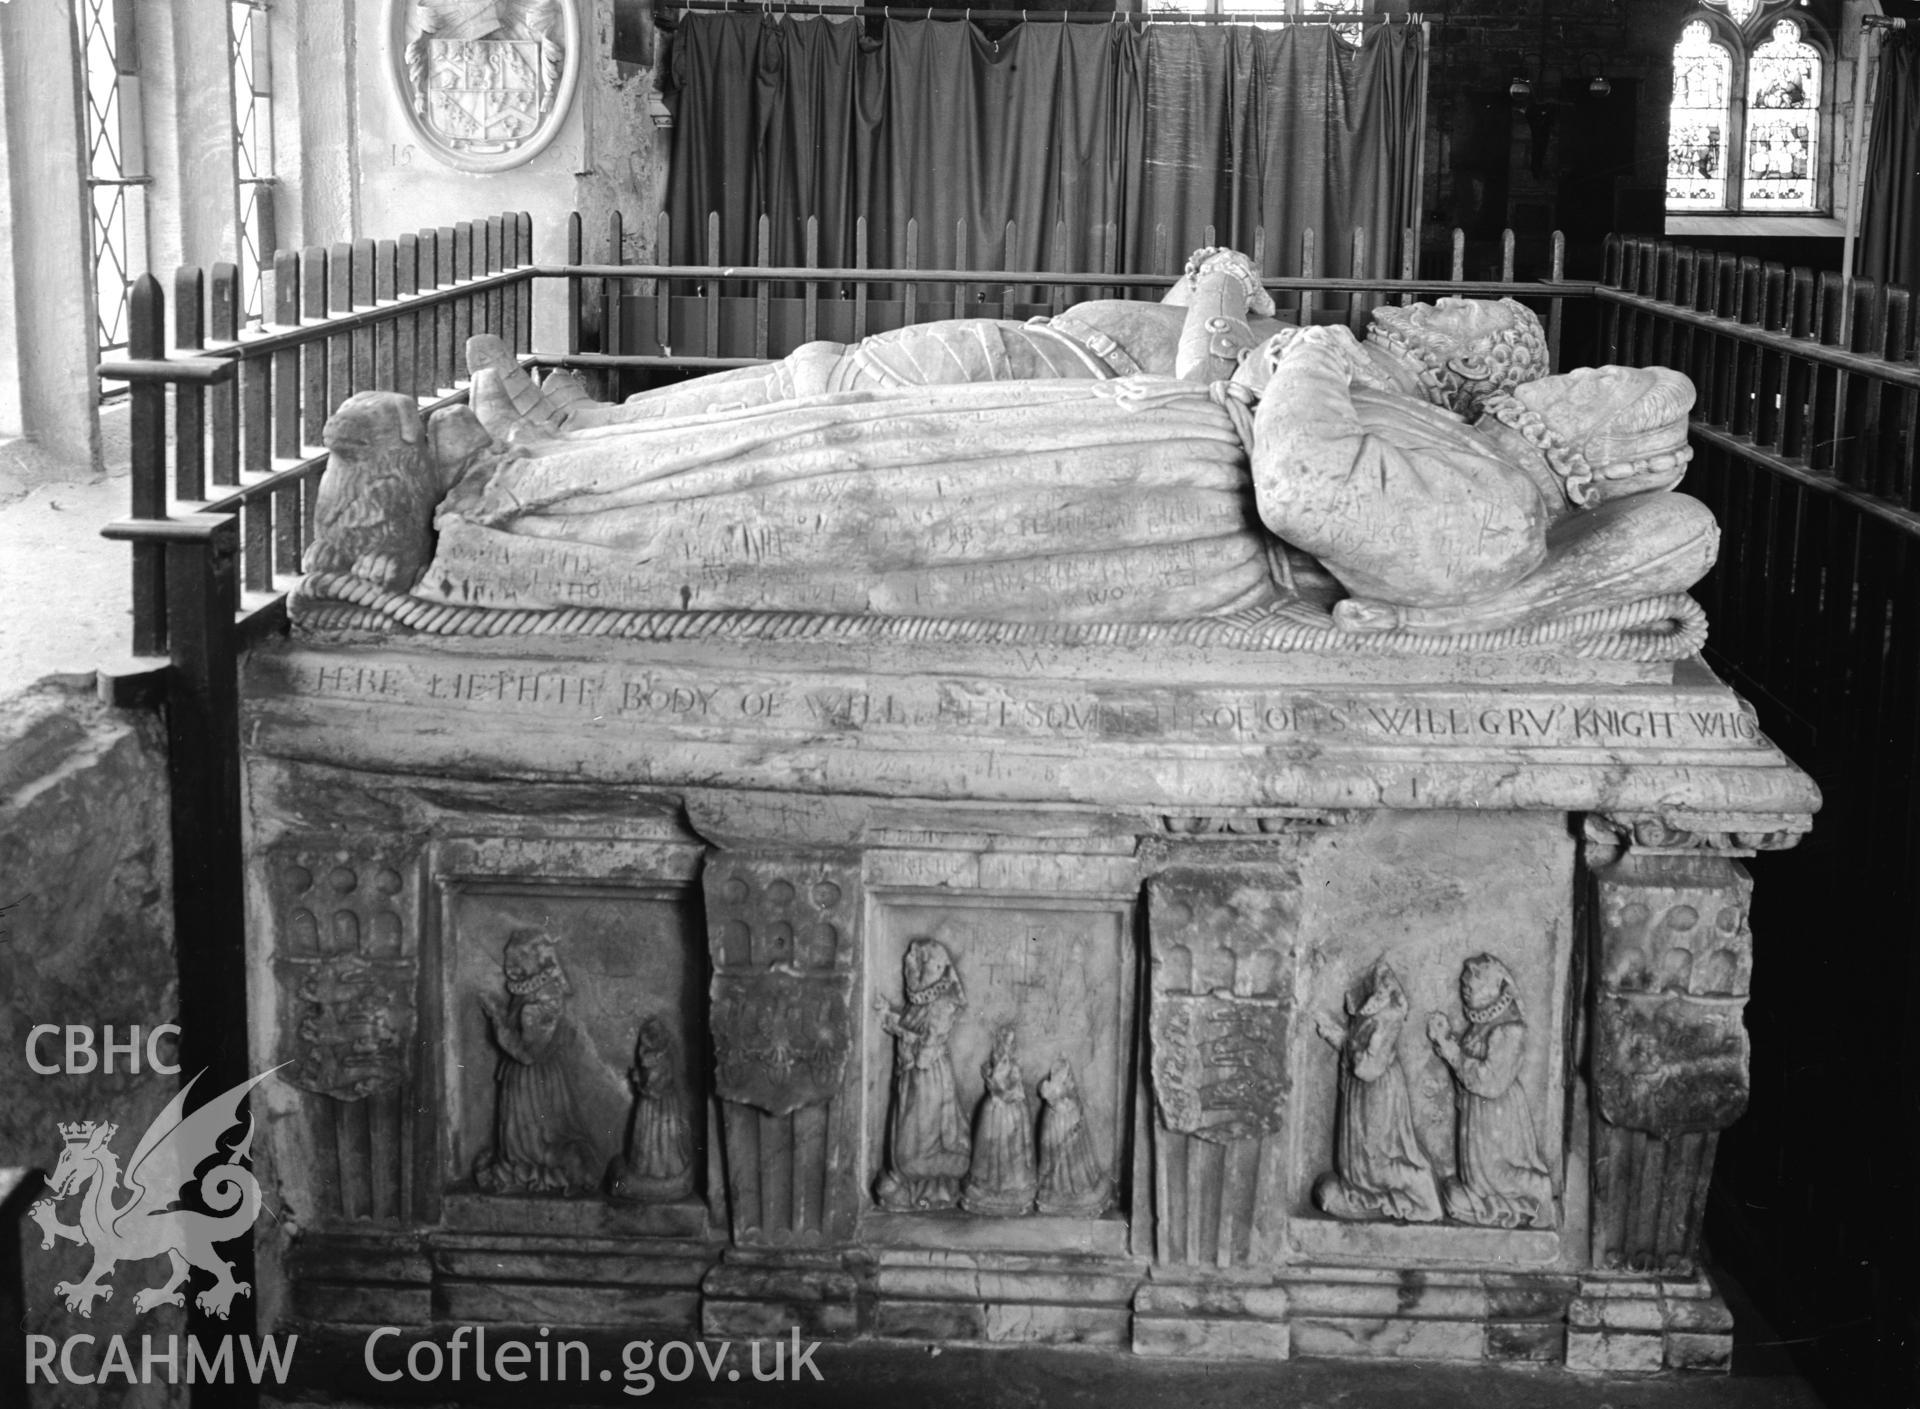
(485, 83)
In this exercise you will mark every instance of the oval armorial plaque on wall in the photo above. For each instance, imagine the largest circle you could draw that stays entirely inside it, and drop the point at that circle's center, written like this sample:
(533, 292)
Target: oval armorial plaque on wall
(485, 83)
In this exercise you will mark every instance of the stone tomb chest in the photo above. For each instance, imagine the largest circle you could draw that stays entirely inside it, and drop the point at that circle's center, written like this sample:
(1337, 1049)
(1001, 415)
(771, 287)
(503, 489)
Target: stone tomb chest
(1192, 999)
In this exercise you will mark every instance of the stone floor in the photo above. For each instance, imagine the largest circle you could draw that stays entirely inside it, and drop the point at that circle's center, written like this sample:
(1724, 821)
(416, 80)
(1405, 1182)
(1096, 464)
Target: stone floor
(962, 1378)
(65, 589)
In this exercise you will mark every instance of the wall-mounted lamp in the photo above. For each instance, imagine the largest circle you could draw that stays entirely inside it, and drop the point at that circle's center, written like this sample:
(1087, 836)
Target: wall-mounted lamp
(1594, 67)
(1521, 88)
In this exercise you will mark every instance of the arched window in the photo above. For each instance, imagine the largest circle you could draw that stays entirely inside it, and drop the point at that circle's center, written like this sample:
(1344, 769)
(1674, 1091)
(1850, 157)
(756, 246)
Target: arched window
(1783, 122)
(1697, 140)
(1748, 105)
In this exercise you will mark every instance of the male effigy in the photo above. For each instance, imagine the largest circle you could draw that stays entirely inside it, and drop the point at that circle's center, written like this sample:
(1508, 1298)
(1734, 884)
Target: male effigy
(993, 754)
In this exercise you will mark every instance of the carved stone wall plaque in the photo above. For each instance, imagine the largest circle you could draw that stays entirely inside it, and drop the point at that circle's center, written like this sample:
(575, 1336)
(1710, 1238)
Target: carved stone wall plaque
(485, 83)
(347, 956)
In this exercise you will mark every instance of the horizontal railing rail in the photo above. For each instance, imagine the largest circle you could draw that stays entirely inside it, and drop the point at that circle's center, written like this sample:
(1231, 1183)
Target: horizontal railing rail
(718, 313)
(229, 421)
(1805, 449)
(1815, 372)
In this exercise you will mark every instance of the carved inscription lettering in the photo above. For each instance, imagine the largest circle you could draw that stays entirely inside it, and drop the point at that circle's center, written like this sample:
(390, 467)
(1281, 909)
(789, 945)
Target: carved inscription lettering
(574, 692)
(1007, 708)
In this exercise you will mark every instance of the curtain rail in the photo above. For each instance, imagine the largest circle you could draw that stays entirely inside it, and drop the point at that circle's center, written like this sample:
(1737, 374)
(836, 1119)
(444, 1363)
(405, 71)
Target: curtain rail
(666, 14)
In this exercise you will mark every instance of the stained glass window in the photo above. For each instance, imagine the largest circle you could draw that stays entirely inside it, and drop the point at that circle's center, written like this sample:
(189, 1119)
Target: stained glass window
(1697, 141)
(1745, 132)
(253, 152)
(116, 165)
(1783, 122)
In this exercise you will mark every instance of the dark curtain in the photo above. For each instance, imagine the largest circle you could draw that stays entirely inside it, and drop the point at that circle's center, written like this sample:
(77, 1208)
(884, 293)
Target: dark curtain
(1288, 129)
(1889, 248)
(930, 121)
(1085, 138)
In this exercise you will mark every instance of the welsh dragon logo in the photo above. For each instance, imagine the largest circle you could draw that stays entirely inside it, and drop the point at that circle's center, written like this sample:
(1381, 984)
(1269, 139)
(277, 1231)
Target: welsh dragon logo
(148, 1224)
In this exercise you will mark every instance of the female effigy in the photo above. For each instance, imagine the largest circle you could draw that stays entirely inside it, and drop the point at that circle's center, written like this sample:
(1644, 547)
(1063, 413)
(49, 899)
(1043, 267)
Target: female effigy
(1136, 499)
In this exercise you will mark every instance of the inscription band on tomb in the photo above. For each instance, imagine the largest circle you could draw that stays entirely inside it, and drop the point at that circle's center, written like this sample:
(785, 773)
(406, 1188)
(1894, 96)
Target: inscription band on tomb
(993, 708)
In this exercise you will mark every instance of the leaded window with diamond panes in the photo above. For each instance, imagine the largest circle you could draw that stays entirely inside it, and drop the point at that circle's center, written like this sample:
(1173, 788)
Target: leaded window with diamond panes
(253, 152)
(116, 159)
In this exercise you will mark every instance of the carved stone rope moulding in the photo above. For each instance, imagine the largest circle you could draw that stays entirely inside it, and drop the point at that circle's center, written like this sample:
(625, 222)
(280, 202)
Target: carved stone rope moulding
(485, 84)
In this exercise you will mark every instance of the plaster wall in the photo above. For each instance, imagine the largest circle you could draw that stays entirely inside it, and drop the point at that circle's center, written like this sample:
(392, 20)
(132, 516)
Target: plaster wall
(402, 187)
(316, 55)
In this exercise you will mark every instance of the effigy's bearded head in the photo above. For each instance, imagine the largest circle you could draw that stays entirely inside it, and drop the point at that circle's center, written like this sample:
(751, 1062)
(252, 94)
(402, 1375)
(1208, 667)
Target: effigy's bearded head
(1607, 432)
(1464, 350)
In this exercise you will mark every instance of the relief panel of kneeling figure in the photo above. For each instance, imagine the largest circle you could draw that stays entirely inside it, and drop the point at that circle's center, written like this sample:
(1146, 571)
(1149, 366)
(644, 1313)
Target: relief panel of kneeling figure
(573, 1019)
(997, 1076)
(1433, 1089)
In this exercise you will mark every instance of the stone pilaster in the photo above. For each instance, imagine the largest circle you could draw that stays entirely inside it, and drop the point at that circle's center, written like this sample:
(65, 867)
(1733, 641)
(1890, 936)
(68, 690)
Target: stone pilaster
(347, 960)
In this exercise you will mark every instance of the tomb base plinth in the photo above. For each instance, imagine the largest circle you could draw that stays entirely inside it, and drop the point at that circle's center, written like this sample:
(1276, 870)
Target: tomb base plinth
(1201, 1002)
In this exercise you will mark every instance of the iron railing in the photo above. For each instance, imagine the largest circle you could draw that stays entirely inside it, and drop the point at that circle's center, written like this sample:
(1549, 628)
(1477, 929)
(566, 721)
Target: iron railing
(1805, 448)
